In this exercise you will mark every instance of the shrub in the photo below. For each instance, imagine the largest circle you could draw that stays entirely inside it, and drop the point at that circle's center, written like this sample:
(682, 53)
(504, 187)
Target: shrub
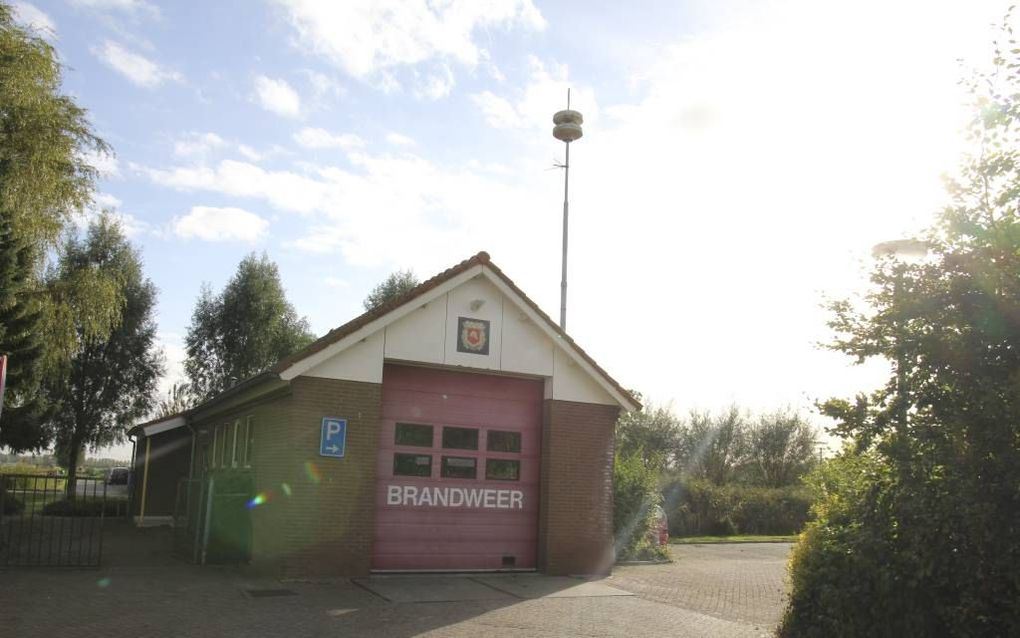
(887, 556)
(112, 507)
(11, 504)
(700, 508)
(635, 497)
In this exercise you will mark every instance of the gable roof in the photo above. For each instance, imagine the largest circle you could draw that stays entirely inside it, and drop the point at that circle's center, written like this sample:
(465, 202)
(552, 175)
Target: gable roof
(483, 264)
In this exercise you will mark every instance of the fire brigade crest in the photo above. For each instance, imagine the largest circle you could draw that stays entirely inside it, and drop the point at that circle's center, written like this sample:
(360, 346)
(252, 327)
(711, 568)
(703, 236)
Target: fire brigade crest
(473, 335)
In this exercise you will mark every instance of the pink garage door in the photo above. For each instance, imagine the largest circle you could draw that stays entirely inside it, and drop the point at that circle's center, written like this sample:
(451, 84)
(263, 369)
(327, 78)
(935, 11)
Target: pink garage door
(458, 471)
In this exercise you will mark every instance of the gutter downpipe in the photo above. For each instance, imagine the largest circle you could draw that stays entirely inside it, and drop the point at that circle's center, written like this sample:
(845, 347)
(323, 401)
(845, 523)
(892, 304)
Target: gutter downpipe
(194, 439)
(145, 481)
(131, 475)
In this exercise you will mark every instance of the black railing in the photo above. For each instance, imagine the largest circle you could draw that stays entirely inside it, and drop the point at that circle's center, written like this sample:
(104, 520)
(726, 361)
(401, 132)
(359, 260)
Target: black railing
(42, 524)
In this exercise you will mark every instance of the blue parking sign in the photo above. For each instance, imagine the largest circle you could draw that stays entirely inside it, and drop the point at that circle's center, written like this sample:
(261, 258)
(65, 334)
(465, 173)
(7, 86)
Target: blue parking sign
(334, 437)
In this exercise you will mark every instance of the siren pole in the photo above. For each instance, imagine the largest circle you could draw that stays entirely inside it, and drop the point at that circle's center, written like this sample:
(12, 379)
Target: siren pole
(567, 129)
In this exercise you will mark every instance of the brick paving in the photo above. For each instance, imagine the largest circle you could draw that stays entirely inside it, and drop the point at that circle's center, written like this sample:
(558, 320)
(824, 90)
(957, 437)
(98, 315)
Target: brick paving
(731, 590)
(744, 582)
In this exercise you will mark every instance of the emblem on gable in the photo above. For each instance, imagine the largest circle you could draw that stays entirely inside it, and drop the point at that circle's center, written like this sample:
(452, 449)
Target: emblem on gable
(472, 335)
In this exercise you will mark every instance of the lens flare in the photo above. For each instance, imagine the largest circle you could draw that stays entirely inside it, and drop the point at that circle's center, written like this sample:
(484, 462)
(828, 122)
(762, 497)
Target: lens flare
(104, 581)
(286, 489)
(312, 471)
(259, 499)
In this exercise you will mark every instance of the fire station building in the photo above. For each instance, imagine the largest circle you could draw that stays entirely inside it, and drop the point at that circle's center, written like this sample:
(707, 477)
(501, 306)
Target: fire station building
(455, 428)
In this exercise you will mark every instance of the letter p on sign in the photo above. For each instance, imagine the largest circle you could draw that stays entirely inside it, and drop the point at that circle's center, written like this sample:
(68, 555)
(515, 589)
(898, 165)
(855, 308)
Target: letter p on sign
(333, 440)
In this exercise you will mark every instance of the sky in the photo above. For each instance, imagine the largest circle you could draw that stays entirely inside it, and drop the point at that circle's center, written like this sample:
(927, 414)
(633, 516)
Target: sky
(740, 158)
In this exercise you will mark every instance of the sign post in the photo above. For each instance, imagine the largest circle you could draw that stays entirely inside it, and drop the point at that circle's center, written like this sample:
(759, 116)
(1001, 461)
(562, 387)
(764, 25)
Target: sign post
(333, 439)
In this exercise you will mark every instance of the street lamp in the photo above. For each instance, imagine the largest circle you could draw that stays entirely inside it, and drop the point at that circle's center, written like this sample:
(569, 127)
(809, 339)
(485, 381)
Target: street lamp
(903, 251)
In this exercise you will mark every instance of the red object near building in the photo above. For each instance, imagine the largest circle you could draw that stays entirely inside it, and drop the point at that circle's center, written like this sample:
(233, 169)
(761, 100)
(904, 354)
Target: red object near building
(458, 471)
(3, 380)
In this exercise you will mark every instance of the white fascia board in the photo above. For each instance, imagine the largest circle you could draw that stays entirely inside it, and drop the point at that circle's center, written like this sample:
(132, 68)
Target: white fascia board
(624, 402)
(164, 426)
(309, 362)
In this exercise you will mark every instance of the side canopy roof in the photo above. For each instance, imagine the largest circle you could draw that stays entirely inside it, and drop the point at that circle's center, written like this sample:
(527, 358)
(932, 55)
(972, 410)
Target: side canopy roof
(476, 273)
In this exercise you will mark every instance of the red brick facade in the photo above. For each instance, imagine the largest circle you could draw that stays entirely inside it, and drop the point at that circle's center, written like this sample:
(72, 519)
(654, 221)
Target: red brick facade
(576, 515)
(323, 527)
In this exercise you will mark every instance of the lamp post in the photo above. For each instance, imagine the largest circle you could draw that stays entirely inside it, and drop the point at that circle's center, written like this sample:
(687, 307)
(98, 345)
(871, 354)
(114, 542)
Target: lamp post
(902, 251)
(567, 129)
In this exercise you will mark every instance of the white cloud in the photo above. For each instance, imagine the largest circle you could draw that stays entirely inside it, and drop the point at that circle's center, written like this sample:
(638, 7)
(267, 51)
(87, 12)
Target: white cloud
(136, 68)
(250, 153)
(176, 354)
(498, 112)
(110, 204)
(198, 144)
(532, 107)
(283, 189)
(106, 164)
(277, 96)
(107, 201)
(33, 17)
(315, 138)
(324, 86)
(220, 224)
(336, 282)
(396, 139)
(436, 85)
(369, 36)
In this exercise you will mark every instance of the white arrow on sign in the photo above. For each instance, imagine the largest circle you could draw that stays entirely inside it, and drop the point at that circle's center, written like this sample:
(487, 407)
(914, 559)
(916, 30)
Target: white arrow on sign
(333, 448)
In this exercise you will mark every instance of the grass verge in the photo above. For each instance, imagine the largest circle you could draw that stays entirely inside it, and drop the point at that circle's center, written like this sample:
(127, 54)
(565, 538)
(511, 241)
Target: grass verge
(704, 540)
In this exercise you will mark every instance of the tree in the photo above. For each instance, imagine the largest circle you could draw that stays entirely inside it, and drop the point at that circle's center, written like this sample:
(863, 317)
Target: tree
(108, 383)
(178, 399)
(242, 331)
(45, 178)
(780, 449)
(393, 287)
(714, 447)
(44, 138)
(916, 522)
(25, 409)
(653, 433)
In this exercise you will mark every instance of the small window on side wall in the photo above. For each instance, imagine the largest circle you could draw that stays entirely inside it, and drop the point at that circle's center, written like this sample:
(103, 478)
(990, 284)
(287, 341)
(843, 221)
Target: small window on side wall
(227, 447)
(497, 441)
(502, 470)
(412, 465)
(413, 434)
(460, 438)
(215, 447)
(249, 444)
(237, 449)
(459, 467)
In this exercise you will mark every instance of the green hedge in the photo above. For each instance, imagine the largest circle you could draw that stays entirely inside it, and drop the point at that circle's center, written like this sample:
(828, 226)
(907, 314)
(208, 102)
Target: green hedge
(890, 553)
(113, 507)
(11, 505)
(700, 508)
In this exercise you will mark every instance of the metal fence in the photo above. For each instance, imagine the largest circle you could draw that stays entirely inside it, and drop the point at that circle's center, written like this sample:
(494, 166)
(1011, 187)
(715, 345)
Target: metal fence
(211, 519)
(43, 525)
(190, 513)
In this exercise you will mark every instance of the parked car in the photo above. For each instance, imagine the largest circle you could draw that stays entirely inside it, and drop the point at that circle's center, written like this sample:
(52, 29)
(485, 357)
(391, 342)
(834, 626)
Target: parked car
(117, 481)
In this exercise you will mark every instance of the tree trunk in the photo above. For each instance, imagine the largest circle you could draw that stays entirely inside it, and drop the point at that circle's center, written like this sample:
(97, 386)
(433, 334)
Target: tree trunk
(72, 470)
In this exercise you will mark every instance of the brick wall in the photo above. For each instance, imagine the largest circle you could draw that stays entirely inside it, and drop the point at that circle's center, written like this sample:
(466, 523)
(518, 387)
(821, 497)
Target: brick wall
(332, 511)
(323, 527)
(576, 512)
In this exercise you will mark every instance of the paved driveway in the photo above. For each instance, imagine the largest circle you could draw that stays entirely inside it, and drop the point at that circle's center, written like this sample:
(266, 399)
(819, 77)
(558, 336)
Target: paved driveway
(731, 590)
